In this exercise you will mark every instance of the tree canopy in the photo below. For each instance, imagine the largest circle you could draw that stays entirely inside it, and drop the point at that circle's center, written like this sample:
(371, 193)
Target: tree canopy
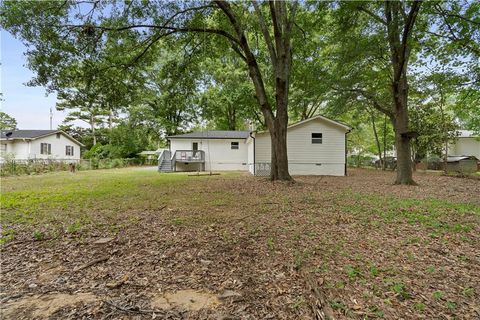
(171, 66)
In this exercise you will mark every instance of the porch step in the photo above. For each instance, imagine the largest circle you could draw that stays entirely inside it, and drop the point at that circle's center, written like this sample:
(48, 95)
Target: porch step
(165, 166)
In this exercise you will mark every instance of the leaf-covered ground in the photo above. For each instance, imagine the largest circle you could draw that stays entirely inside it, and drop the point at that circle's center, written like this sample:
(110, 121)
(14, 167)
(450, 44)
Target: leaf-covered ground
(133, 243)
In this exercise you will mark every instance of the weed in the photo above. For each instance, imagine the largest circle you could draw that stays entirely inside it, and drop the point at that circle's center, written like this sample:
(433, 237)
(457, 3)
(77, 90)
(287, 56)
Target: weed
(74, 227)
(38, 235)
(437, 295)
(419, 306)
(352, 272)
(270, 245)
(337, 305)
(373, 270)
(7, 236)
(430, 269)
(469, 292)
(299, 302)
(451, 305)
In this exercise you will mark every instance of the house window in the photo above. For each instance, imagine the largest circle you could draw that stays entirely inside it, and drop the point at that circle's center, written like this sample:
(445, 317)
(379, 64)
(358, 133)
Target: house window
(194, 146)
(3, 148)
(316, 138)
(45, 148)
(69, 150)
(234, 145)
(58, 135)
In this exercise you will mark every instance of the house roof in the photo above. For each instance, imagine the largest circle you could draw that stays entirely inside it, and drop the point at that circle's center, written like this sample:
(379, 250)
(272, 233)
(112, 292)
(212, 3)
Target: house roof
(213, 134)
(32, 134)
(334, 122)
(26, 134)
(460, 158)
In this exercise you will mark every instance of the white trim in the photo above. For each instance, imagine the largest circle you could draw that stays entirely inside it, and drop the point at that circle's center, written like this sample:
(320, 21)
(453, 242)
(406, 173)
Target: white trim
(348, 128)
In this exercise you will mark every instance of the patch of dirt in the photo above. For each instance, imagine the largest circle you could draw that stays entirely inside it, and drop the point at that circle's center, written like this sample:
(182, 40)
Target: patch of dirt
(43, 306)
(187, 299)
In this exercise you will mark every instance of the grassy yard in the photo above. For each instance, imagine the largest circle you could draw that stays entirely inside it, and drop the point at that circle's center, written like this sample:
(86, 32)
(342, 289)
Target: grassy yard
(119, 243)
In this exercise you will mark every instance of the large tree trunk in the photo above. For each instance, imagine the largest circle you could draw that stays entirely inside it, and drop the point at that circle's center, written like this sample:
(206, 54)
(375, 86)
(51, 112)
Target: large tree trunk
(399, 29)
(402, 137)
(280, 56)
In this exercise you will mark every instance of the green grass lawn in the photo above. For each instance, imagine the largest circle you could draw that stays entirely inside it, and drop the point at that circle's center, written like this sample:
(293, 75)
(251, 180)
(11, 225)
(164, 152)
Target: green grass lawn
(378, 250)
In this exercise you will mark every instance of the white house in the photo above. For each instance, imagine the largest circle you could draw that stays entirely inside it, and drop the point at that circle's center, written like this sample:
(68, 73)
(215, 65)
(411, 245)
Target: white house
(316, 146)
(466, 144)
(39, 144)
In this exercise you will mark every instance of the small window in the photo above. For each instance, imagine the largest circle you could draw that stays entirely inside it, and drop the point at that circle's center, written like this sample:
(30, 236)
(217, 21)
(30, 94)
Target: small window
(195, 146)
(316, 138)
(234, 145)
(45, 148)
(69, 150)
(58, 135)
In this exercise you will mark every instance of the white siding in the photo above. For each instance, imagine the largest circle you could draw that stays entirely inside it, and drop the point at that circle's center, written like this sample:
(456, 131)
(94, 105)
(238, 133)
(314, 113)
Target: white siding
(466, 147)
(250, 155)
(30, 149)
(305, 158)
(218, 150)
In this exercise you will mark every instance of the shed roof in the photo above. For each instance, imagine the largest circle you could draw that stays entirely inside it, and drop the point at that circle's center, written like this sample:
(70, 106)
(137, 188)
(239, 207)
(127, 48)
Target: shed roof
(213, 134)
(460, 158)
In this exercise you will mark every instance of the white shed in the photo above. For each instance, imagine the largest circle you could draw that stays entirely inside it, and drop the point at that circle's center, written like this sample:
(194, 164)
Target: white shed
(316, 146)
(466, 144)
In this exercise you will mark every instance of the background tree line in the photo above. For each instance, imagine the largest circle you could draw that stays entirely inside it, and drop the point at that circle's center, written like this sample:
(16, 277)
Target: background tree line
(402, 73)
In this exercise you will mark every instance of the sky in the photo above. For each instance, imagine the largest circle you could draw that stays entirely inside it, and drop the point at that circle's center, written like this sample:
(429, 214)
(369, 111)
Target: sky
(28, 105)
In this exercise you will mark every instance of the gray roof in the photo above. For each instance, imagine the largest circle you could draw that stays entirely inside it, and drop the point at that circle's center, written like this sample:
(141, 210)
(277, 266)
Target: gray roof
(213, 134)
(460, 158)
(26, 134)
(32, 134)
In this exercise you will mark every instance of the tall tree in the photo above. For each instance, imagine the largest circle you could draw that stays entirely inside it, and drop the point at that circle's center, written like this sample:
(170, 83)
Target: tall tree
(151, 22)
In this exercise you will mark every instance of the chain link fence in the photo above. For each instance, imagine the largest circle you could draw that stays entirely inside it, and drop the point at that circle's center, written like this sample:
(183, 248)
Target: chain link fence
(12, 167)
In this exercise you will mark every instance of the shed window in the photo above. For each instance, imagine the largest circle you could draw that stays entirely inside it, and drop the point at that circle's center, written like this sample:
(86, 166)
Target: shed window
(69, 150)
(234, 145)
(316, 138)
(45, 148)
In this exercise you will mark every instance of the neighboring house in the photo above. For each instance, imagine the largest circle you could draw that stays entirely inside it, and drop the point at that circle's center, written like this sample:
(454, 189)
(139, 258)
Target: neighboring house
(466, 144)
(39, 144)
(316, 146)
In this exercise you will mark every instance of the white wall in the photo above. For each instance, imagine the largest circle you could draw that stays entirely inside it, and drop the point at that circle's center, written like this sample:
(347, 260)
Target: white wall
(465, 147)
(30, 149)
(305, 158)
(250, 155)
(219, 150)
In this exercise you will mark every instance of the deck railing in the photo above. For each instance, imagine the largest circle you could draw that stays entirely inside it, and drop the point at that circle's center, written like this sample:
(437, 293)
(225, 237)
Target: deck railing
(189, 156)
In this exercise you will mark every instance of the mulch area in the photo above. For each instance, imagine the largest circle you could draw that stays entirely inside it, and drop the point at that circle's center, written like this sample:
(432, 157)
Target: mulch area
(308, 250)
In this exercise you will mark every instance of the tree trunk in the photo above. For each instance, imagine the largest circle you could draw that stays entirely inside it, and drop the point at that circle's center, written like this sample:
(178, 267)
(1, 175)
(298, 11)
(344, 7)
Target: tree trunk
(384, 141)
(399, 32)
(280, 55)
(92, 126)
(377, 140)
(402, 139)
